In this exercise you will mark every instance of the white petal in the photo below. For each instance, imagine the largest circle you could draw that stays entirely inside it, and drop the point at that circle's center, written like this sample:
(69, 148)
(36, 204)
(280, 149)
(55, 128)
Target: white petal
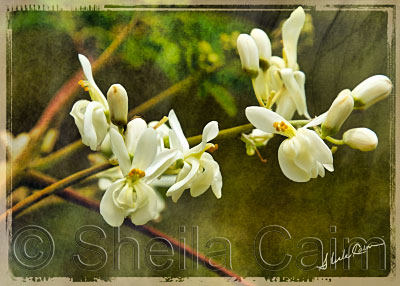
(294, 91)
(104, 183)
(174, 142)
(126, 198)
(273, 78)
(203, 180)
(264, 119)
(160, 164)
(300, 78)
(90, 137)
(316, 121)
(87, 70)
(78, 113)
(321, 170)
(290, 34)
(119, 149)
(112, 214)
(286, 155)
(176, 126)
(320, 151)
(329, 167)
(285, 106)
(147, 211)
(277, 61)
(248, 53)
(216, 185)
(146, 149)
(304, 158)
(134, 130)
(182, 184)
(181, 175)
(165, 181)
(210, 131)
(100, 124)
(263, 43)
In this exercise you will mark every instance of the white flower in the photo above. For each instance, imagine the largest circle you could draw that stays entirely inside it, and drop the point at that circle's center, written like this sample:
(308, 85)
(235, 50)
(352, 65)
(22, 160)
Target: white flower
(362, 139)
(132, 195)
(256, 138)
(339, 111)
(117, 99)
(302, 156)
(90, 116)
(248, 53)
(371, 90)
(199, 170)
(91, 122)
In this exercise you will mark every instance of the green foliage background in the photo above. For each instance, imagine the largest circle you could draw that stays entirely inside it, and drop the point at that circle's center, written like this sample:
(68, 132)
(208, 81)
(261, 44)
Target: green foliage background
(342, 49)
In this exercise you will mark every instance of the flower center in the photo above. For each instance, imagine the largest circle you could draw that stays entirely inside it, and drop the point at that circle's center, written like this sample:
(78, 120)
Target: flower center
(84, 84)
(135, 174)
(280, 126)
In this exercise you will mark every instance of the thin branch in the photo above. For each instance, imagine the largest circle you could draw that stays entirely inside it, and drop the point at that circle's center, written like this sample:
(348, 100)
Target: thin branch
(71, 195)
(49, 161)
(68, 181)
(163, 95)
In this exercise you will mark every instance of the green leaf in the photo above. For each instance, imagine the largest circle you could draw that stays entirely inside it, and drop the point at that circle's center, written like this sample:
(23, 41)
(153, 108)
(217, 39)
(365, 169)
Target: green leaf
(224, 98)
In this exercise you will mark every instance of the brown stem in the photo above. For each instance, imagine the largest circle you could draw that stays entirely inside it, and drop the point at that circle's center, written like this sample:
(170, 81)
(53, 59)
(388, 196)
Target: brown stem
(68, 181)
(49, 161)
(71, 195)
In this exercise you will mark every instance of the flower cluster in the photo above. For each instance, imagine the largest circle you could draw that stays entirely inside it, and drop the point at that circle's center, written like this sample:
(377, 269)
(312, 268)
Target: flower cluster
(278, 84)
(148, 155)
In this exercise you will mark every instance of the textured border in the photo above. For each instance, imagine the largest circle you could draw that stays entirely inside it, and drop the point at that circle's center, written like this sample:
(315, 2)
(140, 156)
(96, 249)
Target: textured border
(391, 7)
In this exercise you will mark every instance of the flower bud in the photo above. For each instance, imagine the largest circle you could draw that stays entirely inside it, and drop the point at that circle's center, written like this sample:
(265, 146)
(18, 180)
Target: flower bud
(263, 45)
(362, 139)
(371, 90)
(248, 53)
(118, 104)
(340, 109)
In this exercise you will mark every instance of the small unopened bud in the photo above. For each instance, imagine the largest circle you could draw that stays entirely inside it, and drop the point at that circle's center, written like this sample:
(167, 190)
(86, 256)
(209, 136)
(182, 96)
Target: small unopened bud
(337, 114)
(371, 90)
(263, 45)
(362, 139)
(248, 53)
(118, 103)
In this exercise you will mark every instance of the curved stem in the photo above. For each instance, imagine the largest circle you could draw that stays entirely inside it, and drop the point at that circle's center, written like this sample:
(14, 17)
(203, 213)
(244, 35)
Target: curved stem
(334, 141)
(299, 122)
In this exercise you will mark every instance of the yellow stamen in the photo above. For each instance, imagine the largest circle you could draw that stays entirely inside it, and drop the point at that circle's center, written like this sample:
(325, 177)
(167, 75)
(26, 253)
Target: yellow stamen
(161, 122)
(137, 172)
(212, 149)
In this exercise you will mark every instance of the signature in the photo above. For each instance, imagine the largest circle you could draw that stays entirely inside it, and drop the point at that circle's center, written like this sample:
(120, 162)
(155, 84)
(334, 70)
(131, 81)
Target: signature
(357, 249)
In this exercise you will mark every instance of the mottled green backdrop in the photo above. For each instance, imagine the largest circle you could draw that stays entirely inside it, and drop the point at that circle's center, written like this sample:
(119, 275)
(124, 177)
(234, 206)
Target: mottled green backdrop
(338, 50)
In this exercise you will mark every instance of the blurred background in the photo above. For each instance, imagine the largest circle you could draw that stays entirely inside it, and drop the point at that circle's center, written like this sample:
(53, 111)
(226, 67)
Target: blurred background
(337, 50)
